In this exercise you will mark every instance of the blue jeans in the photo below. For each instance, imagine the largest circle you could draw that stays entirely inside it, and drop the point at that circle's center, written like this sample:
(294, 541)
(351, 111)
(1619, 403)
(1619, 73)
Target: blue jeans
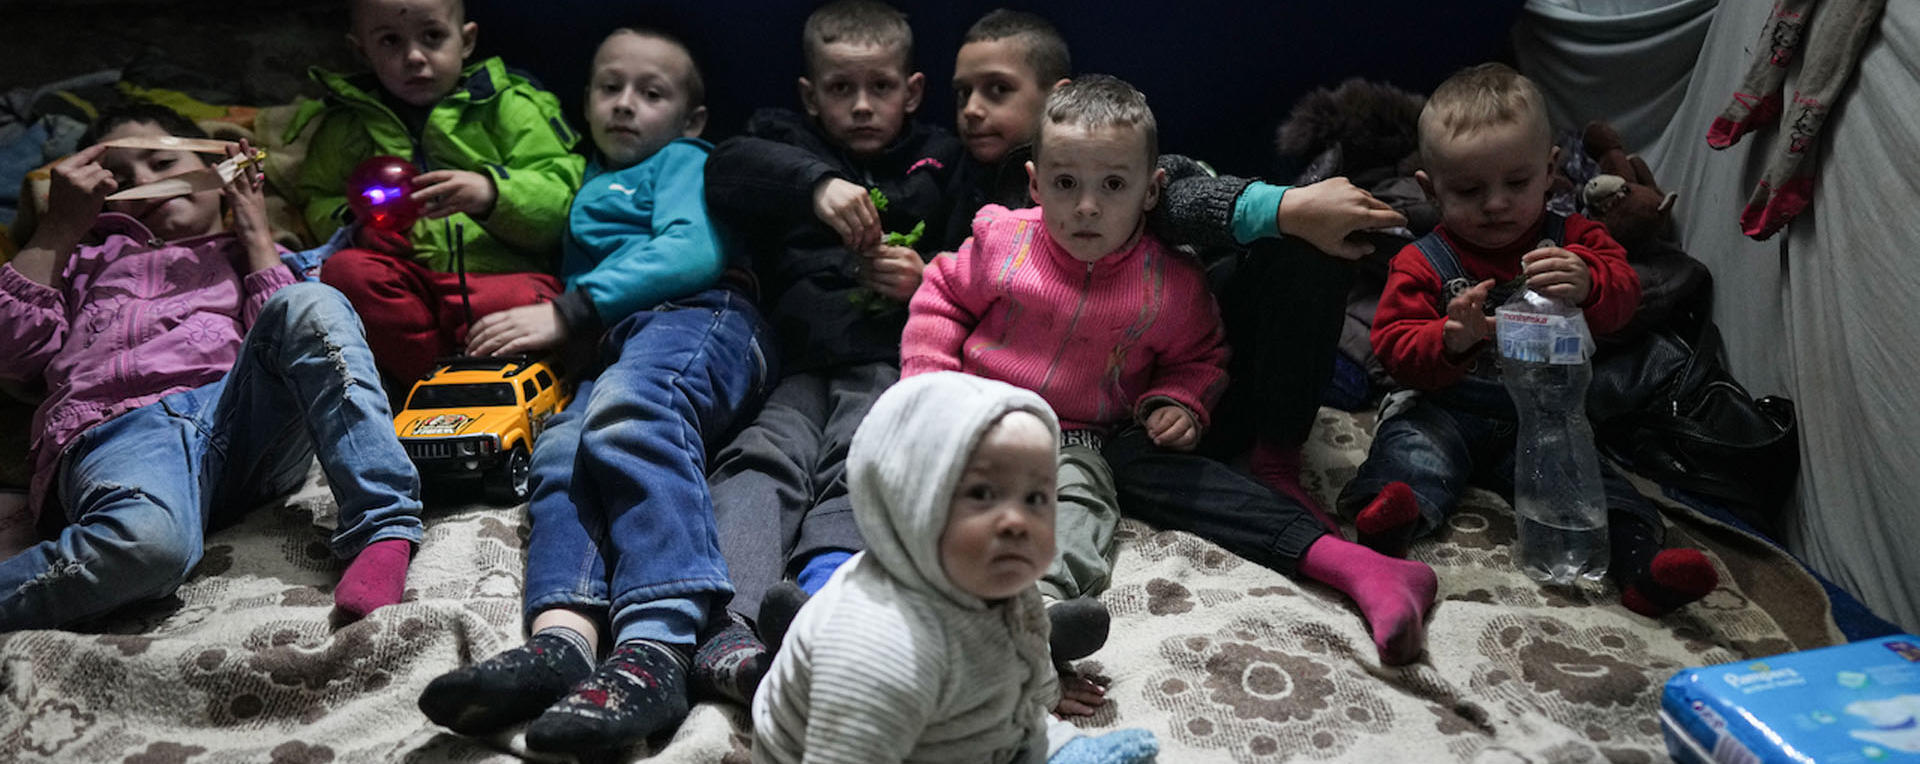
(622, 521)
(140, 490)
(1439, 450)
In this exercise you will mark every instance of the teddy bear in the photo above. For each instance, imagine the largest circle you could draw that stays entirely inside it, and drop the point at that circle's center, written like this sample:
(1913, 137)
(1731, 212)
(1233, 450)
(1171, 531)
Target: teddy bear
(1624, 196)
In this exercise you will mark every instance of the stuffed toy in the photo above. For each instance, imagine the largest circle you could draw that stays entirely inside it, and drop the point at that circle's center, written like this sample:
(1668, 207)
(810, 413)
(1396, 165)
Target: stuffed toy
(1623, 196)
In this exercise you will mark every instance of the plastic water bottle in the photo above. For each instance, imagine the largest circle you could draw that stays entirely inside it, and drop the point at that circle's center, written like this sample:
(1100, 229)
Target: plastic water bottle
(1558, 498)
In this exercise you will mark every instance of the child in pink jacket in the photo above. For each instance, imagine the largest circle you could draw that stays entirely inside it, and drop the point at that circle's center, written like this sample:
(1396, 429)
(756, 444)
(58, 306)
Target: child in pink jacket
(1074, 300)
(187, 377)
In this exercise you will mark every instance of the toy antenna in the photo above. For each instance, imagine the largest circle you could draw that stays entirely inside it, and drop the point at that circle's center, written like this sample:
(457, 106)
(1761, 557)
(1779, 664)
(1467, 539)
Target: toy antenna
(460, 264)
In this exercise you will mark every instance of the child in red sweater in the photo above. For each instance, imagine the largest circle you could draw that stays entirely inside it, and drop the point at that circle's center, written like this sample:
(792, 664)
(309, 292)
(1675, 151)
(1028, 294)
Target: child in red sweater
(1077, 302)
(1486, 148)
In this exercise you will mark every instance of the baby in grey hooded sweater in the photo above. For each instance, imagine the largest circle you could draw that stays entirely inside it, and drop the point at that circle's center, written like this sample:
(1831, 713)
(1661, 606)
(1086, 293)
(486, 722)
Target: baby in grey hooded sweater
(931, 646)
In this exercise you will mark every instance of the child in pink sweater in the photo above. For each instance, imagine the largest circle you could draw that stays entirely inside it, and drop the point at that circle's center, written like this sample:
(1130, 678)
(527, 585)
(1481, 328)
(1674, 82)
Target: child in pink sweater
(1120, 334)
(189, 377)
(1077, 302)
(1074, 300)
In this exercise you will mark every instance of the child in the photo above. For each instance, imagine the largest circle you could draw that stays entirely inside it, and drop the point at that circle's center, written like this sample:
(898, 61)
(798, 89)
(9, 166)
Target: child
(930, 645)
(798, 188)
(1076, 301)
(1286, 300)
(497, 174)
(1487, 150)
(188, 378)
(623, 538)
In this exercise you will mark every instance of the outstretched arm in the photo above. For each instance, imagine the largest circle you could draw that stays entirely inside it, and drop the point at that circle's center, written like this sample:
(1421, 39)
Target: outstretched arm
(1207, 210)
(1326, 213)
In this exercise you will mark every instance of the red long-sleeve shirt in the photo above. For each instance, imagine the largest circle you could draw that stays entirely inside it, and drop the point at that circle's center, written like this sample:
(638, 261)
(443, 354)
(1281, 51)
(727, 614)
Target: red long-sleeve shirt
(1408, 325)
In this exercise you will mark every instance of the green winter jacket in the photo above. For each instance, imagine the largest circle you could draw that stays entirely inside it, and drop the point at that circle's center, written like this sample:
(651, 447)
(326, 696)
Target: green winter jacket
(495, 123)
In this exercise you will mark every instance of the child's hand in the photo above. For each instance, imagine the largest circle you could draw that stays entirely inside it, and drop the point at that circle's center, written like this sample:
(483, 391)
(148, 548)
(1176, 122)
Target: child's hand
(443, 192)
(1556, 272)
(848, 210)
(1173, 427)
(1467, 320)
(246, 198)
(77, 192)
(1325, 213)
(525, 329)
(75, 195)
(892, 272)
(1079, 696)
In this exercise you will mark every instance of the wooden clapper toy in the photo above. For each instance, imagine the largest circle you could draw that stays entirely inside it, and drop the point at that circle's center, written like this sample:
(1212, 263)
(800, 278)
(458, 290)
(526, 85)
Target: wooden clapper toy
(196, 181)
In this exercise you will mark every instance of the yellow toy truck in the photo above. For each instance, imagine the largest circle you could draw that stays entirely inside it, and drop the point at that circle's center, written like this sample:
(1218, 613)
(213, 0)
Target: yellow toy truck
(478, 417)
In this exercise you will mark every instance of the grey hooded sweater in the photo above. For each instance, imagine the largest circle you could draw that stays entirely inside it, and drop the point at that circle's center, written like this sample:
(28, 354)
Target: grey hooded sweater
(891, 662)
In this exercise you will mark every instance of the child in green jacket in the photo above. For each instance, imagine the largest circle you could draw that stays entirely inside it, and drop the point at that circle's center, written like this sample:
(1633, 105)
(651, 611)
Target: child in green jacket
(497, 175)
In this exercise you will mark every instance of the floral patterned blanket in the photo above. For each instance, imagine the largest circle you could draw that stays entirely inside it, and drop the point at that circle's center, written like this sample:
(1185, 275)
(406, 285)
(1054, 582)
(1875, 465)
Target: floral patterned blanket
(1224, 660)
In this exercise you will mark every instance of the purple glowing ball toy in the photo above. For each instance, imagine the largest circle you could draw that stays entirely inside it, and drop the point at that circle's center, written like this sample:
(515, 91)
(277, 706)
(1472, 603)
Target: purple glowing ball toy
(380, 193)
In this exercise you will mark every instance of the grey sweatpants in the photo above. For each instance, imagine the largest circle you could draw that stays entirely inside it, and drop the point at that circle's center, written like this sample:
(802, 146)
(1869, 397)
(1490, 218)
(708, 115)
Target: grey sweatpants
(1085, 517)
(780, 488)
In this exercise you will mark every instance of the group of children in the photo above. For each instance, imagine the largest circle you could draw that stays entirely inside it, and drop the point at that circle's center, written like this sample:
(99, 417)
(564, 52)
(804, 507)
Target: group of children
(744, 484)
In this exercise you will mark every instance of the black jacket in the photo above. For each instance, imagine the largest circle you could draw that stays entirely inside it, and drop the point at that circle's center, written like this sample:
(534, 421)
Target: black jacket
(761, 185)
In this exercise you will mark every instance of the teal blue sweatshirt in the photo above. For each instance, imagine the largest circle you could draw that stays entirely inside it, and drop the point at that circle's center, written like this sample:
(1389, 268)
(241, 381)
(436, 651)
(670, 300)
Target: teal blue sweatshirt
(639, 236)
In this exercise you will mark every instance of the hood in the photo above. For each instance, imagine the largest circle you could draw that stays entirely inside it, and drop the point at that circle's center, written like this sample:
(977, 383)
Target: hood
(455, 422)
(906, 459)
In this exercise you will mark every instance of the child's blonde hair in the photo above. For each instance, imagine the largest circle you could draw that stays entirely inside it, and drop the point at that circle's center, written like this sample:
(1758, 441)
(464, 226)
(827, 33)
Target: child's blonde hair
(1479, 97)
(1099, 100)
(858, 22)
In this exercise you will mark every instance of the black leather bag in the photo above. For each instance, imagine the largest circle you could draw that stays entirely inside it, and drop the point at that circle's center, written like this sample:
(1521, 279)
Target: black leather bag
(1667, 405)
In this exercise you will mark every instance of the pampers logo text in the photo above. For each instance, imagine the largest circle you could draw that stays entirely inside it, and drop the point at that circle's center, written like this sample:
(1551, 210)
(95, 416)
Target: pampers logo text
(1764, 678)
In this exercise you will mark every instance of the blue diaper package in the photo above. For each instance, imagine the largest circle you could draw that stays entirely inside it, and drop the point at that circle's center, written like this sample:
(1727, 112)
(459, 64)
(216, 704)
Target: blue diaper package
(1851, 703)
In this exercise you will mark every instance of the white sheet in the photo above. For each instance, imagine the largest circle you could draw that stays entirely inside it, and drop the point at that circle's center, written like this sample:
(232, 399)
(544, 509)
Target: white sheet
(1827, 312)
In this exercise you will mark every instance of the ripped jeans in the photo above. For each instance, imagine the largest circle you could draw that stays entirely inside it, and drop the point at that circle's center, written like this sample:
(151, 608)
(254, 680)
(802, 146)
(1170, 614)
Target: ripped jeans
(140, 490)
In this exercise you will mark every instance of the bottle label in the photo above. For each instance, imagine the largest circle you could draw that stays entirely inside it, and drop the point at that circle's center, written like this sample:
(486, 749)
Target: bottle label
(1557, 340)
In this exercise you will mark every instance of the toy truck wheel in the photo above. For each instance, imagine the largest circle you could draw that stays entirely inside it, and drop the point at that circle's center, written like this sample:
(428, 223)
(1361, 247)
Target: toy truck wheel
(508, 483)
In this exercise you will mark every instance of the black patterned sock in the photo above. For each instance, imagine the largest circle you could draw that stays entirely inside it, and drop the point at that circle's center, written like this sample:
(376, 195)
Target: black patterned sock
(640, 689)
(511, 687)
(730, 663)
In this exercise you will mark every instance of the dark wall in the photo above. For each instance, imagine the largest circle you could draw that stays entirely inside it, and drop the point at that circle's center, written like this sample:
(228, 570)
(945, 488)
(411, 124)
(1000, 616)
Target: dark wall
(1219, 73)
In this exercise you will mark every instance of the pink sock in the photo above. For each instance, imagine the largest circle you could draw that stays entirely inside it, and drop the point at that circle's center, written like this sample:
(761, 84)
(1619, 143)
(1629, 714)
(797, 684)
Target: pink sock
(1386, 525)
(1726, 131)
(377, 577)
(1393, 594)
(1278, 467)
(1770, 209)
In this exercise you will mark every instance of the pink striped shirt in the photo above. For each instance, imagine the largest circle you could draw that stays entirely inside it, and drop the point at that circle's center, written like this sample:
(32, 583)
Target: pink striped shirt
(1102, 342)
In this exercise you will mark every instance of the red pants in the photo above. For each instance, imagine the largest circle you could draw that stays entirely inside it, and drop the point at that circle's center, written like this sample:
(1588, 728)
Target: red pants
(413, 314)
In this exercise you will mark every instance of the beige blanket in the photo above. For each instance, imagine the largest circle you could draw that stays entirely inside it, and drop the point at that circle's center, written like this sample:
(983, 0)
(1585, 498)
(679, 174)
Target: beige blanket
(1222, 659)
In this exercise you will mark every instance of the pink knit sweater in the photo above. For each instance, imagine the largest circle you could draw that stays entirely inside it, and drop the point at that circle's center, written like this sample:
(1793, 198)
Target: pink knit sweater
(1102, 342)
